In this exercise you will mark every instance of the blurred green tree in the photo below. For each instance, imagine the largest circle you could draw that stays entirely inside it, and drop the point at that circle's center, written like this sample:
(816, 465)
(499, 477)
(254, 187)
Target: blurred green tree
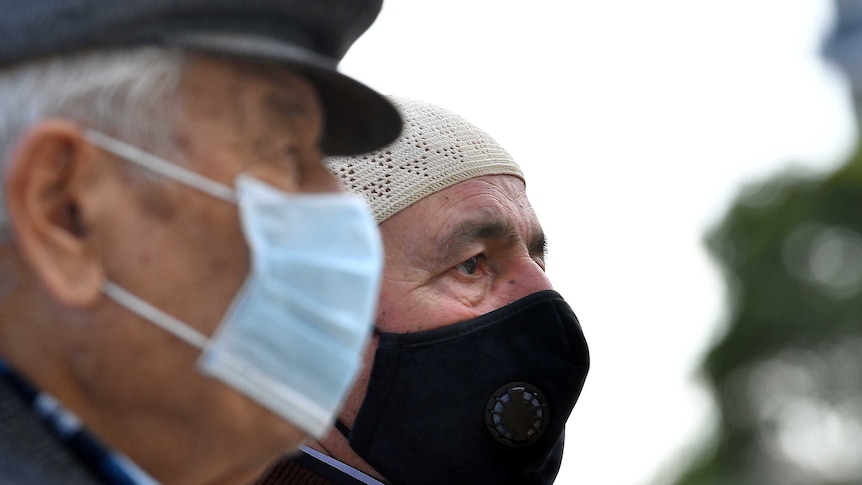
(787, 373)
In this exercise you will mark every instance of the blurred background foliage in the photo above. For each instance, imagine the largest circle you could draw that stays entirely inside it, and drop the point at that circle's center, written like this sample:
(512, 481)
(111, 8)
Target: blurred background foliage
(787, 374)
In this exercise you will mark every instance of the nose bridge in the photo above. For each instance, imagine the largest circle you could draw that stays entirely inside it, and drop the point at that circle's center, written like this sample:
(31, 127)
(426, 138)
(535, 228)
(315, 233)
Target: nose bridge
(526, 278)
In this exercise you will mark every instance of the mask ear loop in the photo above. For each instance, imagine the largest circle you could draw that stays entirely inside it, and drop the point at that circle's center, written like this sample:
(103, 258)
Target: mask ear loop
(153, 314)
(160, 166)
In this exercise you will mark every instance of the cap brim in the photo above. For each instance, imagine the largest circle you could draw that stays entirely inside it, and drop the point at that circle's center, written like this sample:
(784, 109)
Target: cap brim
(357, 118)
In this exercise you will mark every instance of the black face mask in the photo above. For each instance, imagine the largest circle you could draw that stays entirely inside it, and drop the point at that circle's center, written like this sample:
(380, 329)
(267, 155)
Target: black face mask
(481, 401)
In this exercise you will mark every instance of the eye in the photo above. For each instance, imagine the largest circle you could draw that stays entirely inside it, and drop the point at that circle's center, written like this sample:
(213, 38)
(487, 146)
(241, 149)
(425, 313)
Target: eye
(470, 266)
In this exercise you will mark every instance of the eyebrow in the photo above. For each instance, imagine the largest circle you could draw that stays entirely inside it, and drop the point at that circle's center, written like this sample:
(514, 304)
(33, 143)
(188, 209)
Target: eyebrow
(538, 244)
(287, 109)
(472, 231)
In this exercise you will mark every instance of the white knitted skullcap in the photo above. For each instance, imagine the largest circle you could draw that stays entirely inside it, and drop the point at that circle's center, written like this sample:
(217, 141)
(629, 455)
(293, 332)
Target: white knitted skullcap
(436, 149)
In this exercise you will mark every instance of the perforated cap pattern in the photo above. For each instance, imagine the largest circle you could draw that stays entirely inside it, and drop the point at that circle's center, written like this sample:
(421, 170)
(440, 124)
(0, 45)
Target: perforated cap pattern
(436, 149)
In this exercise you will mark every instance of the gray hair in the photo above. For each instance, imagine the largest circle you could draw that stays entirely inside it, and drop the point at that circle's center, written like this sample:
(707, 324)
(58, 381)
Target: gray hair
(132, 94)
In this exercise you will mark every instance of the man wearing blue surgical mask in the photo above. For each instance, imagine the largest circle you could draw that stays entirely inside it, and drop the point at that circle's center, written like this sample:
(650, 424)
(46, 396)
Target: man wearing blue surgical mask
(185, 291)
(476, 362)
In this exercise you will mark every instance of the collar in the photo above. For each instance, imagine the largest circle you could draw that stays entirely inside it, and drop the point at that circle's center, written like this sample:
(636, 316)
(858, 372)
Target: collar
(345, 474)
(111, 466)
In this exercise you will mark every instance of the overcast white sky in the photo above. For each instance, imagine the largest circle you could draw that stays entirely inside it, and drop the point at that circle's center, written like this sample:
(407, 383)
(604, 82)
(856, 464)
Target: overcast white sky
(635, 122)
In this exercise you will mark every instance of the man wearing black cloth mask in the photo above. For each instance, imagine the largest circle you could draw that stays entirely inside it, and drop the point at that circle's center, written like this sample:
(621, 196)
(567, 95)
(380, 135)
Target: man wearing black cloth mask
(477, 362)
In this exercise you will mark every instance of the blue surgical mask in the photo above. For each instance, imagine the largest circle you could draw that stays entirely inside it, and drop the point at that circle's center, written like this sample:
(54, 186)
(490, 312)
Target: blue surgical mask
(293, 337)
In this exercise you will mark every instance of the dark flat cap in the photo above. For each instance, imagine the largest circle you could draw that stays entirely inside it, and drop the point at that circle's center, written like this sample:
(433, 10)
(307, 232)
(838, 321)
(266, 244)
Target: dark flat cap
(308, 36)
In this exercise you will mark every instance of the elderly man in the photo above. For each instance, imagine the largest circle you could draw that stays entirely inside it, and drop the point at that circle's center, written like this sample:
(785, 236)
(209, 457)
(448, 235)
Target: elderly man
(178, 302)
(477, 363)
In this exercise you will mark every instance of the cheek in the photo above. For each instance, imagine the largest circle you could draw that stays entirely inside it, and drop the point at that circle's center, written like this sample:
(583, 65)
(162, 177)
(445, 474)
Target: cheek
(429, 307)
(197, 263)
(221, 261)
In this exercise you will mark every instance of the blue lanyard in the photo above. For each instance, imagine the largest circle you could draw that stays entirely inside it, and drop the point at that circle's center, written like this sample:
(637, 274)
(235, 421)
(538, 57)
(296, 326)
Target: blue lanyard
(111, 467)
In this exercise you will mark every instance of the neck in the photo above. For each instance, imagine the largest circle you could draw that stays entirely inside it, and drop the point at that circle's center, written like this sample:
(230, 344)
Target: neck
(160, 441)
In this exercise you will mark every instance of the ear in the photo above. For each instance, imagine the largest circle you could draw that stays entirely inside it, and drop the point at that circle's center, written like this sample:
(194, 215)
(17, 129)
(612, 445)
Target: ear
(47, 189)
